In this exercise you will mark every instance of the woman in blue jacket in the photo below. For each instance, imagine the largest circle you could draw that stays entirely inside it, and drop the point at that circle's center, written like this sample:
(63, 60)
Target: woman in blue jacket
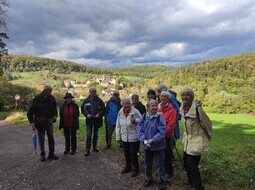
(151, 133)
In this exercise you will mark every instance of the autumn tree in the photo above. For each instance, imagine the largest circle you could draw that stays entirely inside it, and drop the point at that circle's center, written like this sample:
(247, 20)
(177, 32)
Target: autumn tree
(3, 35)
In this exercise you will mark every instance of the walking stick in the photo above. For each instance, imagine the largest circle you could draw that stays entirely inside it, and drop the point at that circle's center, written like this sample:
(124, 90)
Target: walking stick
(177, 153)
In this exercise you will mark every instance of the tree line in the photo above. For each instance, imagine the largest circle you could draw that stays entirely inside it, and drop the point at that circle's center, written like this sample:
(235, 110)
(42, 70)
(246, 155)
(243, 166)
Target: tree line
(225, 85)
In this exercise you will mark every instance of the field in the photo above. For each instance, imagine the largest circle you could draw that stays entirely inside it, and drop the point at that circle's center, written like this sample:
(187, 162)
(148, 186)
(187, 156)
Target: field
(229, 164)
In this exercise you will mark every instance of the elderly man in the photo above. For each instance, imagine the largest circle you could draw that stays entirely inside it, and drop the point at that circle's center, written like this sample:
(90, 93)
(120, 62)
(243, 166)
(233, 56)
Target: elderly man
(113, 106)
(41, 115)
(93, 109)
(137, 104)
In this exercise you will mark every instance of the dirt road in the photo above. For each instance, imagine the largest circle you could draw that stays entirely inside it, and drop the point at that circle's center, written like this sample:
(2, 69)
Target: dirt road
(20, 168)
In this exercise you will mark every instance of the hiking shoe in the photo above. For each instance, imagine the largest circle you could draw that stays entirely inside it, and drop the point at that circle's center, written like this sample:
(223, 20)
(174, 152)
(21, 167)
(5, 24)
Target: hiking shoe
(66, 152)
(134, 173)
(126, 170)
(95, 150)
(87, 153)
(161, 186)
(148, 182)
(43, 158)
(170, 179)
(187, 184)
(73, 152)
(52, 156)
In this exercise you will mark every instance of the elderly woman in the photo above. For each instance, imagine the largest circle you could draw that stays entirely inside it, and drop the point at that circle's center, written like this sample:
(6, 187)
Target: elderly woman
(127, 119)
(169, 114)
(69, 121)
(195, 140)
(151, 131)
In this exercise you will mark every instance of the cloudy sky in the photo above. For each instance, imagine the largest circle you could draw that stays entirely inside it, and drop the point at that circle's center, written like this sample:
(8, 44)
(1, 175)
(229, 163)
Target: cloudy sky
(130, 32)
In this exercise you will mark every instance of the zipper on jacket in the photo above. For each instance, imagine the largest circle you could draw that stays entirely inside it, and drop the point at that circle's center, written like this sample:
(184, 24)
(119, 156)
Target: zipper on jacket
(127, 128)
(186, 133)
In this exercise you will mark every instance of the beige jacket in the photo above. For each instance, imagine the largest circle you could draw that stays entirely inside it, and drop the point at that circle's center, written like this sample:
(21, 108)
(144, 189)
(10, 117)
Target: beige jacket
(194, 140)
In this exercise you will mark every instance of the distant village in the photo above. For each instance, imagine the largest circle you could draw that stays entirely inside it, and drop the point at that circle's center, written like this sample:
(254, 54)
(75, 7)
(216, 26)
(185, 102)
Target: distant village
(108, 85)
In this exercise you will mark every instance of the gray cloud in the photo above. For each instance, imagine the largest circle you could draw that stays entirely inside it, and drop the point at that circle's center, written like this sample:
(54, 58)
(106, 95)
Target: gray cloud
(117, 33)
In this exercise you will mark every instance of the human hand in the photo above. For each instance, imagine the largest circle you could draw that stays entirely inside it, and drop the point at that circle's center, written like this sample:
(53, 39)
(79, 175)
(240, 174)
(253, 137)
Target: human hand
(32, 125)
(54, 118)
(96, 116)
(150, 141)
(89, 116)
(132, 120)
(147, 143)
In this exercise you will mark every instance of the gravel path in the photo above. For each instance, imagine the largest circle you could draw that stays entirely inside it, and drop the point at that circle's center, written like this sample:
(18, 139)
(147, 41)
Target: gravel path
(20, 168)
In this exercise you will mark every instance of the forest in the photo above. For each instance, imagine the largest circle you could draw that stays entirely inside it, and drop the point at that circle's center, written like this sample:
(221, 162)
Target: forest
(225, 85)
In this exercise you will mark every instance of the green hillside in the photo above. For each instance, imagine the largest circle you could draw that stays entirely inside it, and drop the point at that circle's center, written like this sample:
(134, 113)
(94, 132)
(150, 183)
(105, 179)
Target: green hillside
(225, 85)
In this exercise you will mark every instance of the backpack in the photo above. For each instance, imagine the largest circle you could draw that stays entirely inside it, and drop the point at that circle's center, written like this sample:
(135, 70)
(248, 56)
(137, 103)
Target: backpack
(204, 121)
(144, 117)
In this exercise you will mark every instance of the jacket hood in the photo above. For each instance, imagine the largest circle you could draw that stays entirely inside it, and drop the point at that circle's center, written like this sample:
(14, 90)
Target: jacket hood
(192, 111)
(112, 99)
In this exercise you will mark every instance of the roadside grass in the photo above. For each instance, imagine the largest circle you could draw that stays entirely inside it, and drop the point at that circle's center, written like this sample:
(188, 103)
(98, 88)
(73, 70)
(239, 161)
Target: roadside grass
(18, 118)
(4, 115)
(229, 164)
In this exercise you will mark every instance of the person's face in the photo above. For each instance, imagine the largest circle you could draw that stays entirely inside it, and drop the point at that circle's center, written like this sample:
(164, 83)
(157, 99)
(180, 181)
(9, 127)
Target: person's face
(186, 98)
(127, 105)
(158, 93)
(47, 92)
(135, 100)
(68, 100)
(164, 99)
(151, 97)
(115, 97)
(93, 92)
(152, 109)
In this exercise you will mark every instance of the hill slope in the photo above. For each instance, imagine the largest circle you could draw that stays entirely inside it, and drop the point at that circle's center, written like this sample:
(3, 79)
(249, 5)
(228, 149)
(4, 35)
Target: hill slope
(223, 84)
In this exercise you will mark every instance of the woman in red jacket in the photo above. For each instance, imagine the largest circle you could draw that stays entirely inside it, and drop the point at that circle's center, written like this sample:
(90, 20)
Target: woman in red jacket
(69, 121)
(169, 114)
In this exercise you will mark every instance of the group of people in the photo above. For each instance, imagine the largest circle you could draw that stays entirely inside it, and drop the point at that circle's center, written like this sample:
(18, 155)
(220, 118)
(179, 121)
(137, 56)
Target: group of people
(154, 127)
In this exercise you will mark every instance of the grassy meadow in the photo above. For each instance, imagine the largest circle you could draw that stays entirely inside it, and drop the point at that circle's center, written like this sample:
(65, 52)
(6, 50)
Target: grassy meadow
(229, 164)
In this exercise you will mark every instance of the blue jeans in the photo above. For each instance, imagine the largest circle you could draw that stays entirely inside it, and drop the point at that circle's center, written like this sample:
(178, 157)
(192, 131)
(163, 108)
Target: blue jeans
(158, 157)
(90, 129)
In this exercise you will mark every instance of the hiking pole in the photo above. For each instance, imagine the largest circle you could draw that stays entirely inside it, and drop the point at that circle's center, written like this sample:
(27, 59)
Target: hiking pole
(177, 153)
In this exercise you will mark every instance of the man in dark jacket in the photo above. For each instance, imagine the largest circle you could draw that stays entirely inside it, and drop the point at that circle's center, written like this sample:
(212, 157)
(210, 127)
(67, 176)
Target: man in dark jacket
(137, 104)
(41, 115)
(93, 109)
(69, 121)
(111, 112)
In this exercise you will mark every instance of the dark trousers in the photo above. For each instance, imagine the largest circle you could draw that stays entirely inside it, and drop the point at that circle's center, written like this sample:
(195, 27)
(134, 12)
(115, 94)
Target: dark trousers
(90, 129)
(191, 167)
(130, 151)
(169, 170)
(108, 135)
(41, 138)
(158, 157)
(70, 138)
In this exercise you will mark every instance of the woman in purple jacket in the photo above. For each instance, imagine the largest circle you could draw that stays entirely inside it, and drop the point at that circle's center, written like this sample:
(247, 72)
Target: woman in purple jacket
(151, 132)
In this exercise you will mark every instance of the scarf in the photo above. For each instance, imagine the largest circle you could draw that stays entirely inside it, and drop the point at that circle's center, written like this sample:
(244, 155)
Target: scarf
(68, 115)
